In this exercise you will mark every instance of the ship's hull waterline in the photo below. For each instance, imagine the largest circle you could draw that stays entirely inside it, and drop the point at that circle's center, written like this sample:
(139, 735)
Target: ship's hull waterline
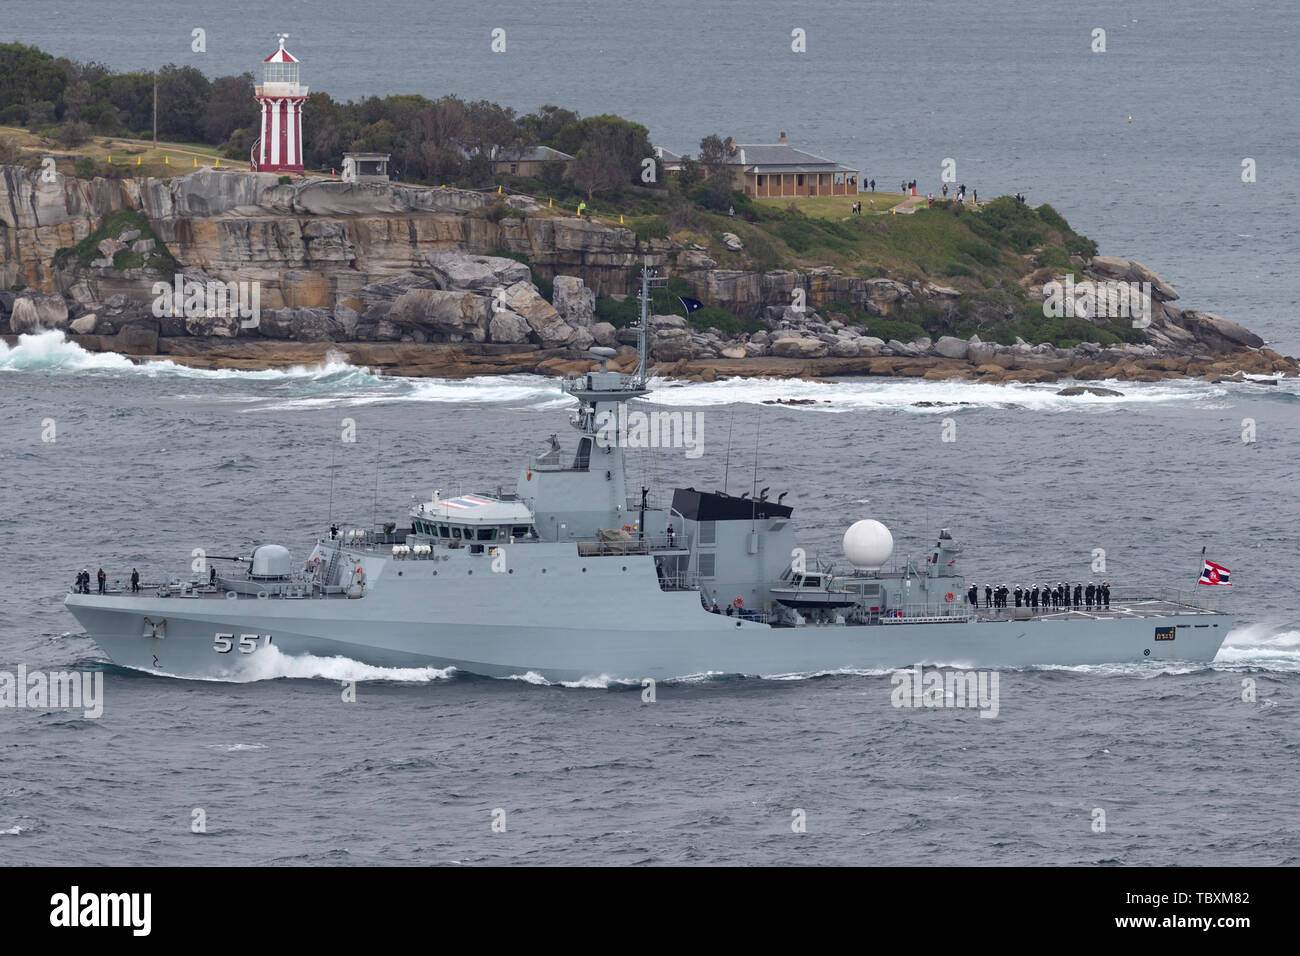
(608, 647)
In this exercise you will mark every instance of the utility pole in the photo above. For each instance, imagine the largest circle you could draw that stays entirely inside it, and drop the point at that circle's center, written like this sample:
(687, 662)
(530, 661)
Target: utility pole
(155, 109)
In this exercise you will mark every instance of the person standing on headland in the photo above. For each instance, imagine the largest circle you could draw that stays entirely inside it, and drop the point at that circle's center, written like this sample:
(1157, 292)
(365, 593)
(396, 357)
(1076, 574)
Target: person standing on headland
(102, 579)
(135, 580)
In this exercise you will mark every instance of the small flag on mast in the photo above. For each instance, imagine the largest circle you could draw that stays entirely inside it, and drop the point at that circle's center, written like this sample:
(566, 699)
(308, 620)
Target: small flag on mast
(1214, 574)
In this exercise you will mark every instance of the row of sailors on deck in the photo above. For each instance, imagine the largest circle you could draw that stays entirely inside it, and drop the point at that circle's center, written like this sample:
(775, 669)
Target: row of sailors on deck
(1061, 596)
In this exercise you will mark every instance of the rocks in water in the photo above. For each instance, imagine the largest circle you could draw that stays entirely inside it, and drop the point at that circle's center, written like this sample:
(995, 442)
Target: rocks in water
(575, 303)
(792, 401)
(463, 271)
(1090, 390)
(34, 312)
(85, 325)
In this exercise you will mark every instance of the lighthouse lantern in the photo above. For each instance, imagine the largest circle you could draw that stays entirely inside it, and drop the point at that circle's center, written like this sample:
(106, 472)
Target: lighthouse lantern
(279, 99)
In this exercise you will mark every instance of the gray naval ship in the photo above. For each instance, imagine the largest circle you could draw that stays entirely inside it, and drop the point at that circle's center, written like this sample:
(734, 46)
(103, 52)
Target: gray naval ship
(570, 577)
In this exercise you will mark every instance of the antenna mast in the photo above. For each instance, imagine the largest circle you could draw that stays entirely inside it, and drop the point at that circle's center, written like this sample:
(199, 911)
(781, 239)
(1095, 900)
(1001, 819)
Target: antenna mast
(650, 280)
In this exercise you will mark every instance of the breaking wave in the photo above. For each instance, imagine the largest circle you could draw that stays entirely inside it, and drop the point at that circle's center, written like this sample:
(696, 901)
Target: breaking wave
(270, 663)
(337, 383)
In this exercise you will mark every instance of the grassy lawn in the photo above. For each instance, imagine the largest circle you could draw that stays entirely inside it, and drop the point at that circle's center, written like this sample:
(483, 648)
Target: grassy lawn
(834, 207)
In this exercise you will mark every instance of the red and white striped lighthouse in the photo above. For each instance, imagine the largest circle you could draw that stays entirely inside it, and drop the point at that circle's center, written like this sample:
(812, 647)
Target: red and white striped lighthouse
(281, 96)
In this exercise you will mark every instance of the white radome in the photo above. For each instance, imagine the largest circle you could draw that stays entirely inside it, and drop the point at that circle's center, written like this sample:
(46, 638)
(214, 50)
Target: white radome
(868, 544)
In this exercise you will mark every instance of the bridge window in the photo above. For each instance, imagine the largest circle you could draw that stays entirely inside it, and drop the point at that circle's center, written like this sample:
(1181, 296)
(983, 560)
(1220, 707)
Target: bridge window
(487, 534)
(520, 531)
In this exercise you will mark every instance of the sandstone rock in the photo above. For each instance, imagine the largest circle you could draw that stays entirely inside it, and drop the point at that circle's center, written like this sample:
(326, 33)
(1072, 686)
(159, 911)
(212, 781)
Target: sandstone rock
(734, 352)
(547, 326)
(883, 296)
(672, 345)
(667, 322)
(695, 259)
(136, 340)
(582, 339)
(799, 348)
(1218, 332)
(108, 248)
(143, 245)
(902, 348)
(84, 325)
(731, 242)
(953, 348)
(204, 324)
(314, 325)
(456, 316)
(386, 290)
(845, 348)
(275, 323)
(128, 236)
(575, 303)
(33, 311)
(509, 327)
(466, 272)
(347, 320)
(605, 335)
(1160, 289)
(1112, 267)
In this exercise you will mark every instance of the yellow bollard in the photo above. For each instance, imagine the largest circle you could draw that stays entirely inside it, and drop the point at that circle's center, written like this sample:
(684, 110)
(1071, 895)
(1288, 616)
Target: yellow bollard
(550, 203)
(167, 161)
(137, 160)
(620, 219)
(196, 162)
(110, 159)
(218, 166)
(498, 190)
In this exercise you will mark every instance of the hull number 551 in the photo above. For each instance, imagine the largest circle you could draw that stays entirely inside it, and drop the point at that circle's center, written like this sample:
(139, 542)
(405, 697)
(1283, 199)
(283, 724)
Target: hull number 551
(247, 643)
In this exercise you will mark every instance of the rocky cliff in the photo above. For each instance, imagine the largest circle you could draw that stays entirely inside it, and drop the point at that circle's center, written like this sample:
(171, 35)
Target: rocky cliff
(398, 265)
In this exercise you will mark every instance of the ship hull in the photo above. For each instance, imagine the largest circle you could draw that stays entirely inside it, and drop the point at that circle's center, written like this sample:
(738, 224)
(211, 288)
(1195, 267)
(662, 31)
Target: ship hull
(686, 641)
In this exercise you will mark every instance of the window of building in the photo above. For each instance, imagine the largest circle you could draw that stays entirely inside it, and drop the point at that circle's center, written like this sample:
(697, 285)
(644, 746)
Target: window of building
(759, 178)
(798, 179)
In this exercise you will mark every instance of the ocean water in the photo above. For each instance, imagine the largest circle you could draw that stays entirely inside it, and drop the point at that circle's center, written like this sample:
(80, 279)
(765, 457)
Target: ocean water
(152, 461)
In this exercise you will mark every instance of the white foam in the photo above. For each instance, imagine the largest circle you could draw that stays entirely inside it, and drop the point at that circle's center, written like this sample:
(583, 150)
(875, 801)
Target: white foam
(270, 663)
(1262, 646)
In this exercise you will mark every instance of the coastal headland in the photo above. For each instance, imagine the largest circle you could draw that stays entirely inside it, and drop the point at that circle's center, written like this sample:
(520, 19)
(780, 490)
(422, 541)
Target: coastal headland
(229, 269)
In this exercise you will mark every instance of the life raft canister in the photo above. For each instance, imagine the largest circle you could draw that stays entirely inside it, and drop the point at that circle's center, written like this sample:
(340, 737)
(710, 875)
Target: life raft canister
(950, 597)
(738, 603)
(627, 527)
